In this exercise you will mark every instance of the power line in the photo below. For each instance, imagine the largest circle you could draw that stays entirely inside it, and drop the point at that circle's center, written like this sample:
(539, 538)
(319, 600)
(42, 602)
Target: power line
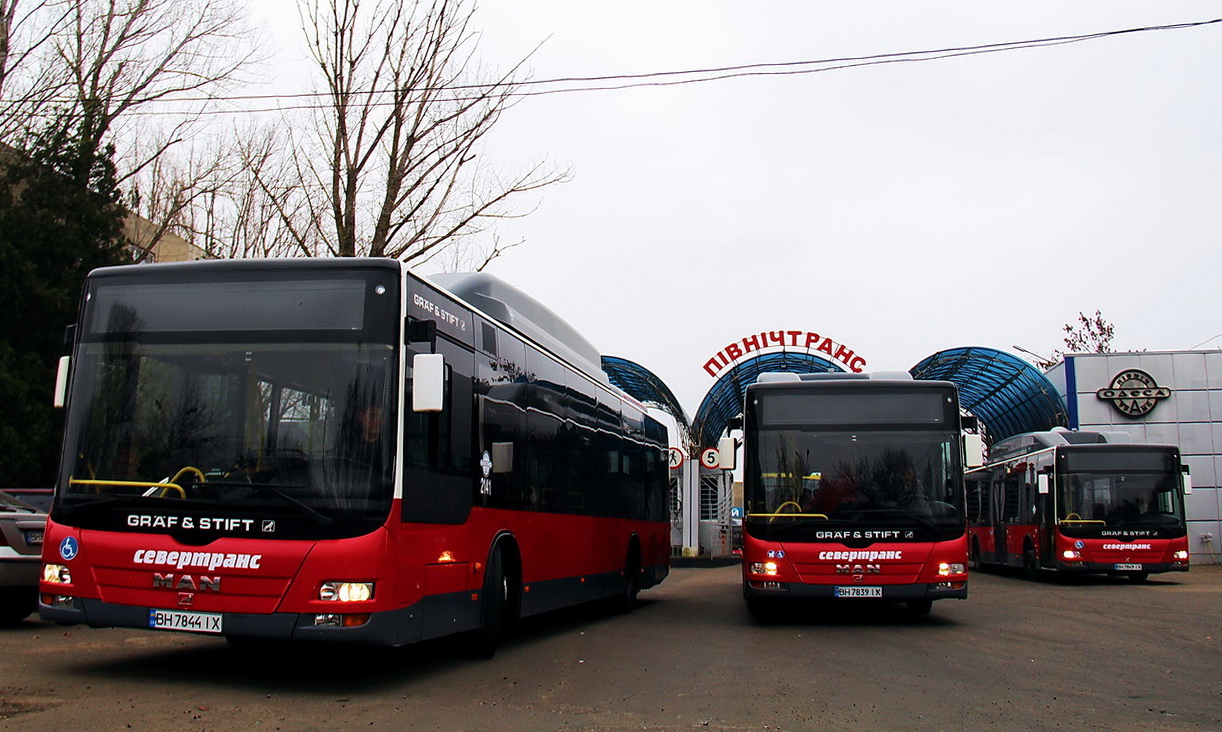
(620, 82)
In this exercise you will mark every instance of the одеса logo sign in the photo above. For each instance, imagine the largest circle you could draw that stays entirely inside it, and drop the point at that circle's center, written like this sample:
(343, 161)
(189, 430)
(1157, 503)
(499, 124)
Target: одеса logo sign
(1134, 393)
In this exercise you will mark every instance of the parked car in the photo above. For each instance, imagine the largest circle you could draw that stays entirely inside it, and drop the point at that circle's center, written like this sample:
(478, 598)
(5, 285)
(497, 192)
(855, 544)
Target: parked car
(21, 530)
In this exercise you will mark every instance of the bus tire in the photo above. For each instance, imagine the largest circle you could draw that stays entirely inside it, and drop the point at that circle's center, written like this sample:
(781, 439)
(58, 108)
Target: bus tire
(762, 610)
(625, 601)
(494, 599)
(973, 556)
(16, 604)
(1031, 567)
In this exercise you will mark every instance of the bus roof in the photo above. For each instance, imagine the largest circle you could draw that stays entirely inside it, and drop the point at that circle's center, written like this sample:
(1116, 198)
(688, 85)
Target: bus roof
(512, 307)
(1033, 441)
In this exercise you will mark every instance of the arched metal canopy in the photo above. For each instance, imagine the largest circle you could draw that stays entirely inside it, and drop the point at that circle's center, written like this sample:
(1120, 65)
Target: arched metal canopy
(725, 400)
(1007, 394)
(644, 385)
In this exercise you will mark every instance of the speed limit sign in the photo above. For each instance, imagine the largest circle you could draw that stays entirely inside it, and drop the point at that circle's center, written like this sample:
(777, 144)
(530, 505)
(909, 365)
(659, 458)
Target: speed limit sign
(710, 458)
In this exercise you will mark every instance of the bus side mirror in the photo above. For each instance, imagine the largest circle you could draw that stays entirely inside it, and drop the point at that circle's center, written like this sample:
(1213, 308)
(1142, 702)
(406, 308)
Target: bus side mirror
(428, 382)
(726, 453)
(1186, 479)
(1041, 484)
(61, 382)
(973, 451)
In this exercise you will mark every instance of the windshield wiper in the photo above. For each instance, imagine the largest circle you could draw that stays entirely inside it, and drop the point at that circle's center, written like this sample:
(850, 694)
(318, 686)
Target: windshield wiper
(274, 488)
(75, 502)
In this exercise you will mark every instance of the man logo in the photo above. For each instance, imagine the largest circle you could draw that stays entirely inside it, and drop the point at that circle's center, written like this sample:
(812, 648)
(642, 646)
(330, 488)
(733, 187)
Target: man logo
(186, 583)
(1134, 393)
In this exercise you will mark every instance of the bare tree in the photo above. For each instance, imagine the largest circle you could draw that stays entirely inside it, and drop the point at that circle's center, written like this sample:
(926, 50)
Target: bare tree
(130, 76)
(1091, 334)
(123, 56)
(245, 217)
(28, 85)
(391, 167)
(174, 190)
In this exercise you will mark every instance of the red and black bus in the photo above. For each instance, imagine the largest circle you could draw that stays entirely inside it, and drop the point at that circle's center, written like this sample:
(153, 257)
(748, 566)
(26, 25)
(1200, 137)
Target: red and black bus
(1064, 501)
(339, 450)
(853, 488)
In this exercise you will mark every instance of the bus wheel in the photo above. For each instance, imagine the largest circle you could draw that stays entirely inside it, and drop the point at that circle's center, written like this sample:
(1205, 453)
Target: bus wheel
(973, 556)
(1138, 576)
(1031, 566)
(919, 607)
(625, 601)
(483, 641)
(762, 610)
(16, 604)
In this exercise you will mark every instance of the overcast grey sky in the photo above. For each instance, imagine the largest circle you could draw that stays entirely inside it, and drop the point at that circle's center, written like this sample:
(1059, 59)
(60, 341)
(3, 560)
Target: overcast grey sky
(899, 209)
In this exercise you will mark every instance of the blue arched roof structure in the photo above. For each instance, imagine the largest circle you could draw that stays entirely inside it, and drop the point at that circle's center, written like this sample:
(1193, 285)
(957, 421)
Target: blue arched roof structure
(644, 385)
(1007, 394)
(725, 400)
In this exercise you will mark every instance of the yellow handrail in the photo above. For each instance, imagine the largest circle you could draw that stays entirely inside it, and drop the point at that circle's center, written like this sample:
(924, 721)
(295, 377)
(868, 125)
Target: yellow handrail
(190, 469)
(129, 484)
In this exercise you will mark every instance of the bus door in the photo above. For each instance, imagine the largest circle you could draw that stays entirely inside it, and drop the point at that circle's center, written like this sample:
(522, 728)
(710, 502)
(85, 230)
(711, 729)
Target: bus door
(997, 513)
(439, 461)
(1045, 514)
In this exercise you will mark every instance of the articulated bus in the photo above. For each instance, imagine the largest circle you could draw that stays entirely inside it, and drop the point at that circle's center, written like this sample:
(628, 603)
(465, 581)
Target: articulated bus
(1063, 501)
(853, 489)
(339, 450)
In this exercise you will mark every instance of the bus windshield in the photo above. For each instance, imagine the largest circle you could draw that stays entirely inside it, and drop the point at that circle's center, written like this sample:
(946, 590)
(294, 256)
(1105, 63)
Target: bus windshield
(210, 414)
(1126, 490)
(802, 484)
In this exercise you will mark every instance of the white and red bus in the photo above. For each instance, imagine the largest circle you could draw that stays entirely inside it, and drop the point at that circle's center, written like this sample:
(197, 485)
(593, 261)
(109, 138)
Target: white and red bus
(339, 450)
(853, 489)
(1063, 501)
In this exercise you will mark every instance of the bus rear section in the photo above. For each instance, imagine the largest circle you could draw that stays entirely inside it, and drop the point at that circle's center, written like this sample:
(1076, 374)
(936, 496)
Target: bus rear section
(853, 488)
(1080, 502)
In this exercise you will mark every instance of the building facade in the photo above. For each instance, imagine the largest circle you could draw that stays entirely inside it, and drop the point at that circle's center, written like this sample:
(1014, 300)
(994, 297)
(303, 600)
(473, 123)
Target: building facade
(1158, 397)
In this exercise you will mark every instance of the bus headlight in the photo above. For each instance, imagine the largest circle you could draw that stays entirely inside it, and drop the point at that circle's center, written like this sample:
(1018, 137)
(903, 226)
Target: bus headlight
(1181, 555)
(946, 569)
(1071, 555)
(346, 591)
(766, 568)
(56, 574)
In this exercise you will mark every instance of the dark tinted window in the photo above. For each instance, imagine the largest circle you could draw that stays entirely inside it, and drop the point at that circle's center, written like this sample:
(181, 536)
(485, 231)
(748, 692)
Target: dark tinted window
(306, 304)
(782, 408)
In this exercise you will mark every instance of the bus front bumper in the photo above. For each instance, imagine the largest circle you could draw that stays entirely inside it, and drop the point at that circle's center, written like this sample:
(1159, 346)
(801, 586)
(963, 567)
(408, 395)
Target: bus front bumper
(919, 591)
(1122, 569)
(435, 616)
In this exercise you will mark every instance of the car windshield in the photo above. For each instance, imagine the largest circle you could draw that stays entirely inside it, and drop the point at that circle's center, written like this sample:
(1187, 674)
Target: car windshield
(284, 429)
(13, 503)
(800, 484)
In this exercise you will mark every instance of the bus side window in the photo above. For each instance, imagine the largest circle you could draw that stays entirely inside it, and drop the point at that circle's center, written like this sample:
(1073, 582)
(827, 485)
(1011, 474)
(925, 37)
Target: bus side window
(1012, 487)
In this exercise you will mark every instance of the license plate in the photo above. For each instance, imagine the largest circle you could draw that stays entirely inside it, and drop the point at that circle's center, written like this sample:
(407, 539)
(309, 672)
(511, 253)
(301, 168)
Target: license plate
(33, 538)
(193, 622)
(1127, 567)
(858, 591)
